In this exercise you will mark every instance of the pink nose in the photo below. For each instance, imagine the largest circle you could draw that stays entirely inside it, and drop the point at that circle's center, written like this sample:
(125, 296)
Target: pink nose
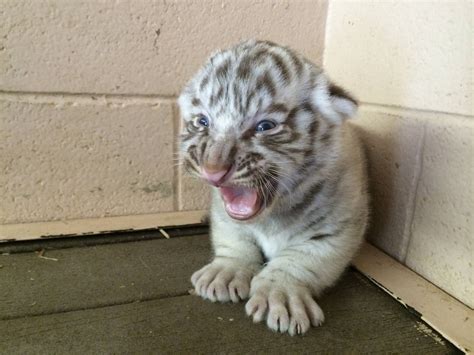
(215, 175)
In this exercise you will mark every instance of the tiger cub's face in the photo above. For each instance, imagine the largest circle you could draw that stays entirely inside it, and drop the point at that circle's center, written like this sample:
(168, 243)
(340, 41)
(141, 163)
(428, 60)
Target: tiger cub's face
(254, 121)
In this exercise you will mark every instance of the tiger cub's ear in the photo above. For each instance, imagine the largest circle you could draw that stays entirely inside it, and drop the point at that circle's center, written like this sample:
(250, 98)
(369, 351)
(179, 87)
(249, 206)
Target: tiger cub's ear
(334, 103)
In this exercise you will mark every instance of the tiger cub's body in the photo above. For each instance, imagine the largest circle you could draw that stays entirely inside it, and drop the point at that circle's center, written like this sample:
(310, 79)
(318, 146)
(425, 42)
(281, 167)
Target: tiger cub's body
(289, 207)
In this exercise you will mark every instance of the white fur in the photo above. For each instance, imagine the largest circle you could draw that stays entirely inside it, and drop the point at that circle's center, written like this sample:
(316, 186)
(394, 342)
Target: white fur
(336, 109)
(302, 261)
(284, 299)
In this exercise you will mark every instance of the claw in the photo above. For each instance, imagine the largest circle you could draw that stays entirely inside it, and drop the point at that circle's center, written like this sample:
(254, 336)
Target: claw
(222, 282)
(288, 308)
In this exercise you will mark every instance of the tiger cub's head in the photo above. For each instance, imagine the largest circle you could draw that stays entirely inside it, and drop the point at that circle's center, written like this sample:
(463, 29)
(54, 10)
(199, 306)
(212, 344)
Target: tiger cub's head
(256, 119)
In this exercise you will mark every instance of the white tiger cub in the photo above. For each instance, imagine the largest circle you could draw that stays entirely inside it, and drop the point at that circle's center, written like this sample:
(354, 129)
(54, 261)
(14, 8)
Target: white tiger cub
(266, 128)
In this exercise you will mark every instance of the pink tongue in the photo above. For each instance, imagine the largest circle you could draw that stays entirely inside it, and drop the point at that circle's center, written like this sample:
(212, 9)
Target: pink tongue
(240, 202)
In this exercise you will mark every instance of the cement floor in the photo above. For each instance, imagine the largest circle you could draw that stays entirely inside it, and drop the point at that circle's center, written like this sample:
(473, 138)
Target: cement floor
(128, 294)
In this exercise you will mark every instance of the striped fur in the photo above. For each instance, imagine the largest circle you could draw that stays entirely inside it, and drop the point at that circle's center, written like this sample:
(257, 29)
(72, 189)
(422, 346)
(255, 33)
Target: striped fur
(309, 170)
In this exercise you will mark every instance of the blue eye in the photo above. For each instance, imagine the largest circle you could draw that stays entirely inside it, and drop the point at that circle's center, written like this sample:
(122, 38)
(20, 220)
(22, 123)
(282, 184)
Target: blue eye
(203, 121)
(265, 125)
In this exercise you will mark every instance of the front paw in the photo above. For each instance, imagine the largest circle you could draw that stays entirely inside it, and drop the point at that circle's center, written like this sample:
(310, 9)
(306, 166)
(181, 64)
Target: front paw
(288, 307)
(223, 281)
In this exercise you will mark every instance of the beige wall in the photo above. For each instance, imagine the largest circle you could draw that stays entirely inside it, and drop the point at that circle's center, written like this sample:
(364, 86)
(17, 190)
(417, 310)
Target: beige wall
(87, 97)
(410, 64)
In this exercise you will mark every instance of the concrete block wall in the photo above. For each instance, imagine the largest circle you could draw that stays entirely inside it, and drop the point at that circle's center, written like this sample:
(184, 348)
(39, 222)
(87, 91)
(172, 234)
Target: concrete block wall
(87, 97)
(411, 65)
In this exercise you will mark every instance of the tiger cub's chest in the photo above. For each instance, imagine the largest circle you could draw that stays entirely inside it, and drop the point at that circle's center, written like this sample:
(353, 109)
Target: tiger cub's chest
(271, 237)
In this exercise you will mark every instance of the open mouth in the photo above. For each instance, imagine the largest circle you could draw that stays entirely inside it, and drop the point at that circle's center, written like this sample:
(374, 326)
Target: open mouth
(241, 202)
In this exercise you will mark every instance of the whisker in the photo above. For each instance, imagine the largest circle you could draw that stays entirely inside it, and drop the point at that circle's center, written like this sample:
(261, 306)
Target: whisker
(275, 175)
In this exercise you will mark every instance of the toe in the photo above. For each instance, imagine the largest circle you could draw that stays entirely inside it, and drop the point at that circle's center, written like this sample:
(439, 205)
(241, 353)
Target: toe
(204, 280)
(315, 313)
(195, 277)
(239, 289)
(210, 293)
(256, 307)
(233, 294)
(300, 322)
(298, 325)
(278, 319)
(221, 292)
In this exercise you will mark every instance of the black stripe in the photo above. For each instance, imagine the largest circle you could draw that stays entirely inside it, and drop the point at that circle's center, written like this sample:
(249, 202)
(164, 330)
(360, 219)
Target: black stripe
(189, 167)
(332, 188)
(249, 100)
(244, 69)
(186, 137)
(232, 153)
(313, 128)
(315, 222)
(326, 137)
(219, 94)
(216, 97)
(313, 76)
(308, 156)
(248, 134)
(256, 157)
(308, 198)
(268, 43)
(237, 97)
(280, 63)
(265, 82)
(312, 132)
(276, 149)
(306, 106)
(335, 90)
(203, 149)
(279, 270)
(245, 175)
(320, 236)
(204, 82)
(277, 140)
(279, 137)
(223, 70)
(277, 108)
(296, 62)
(191, 128)
(192, 154)
(315, 275)
(260, 56)
(290, 119)
(296, 150)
